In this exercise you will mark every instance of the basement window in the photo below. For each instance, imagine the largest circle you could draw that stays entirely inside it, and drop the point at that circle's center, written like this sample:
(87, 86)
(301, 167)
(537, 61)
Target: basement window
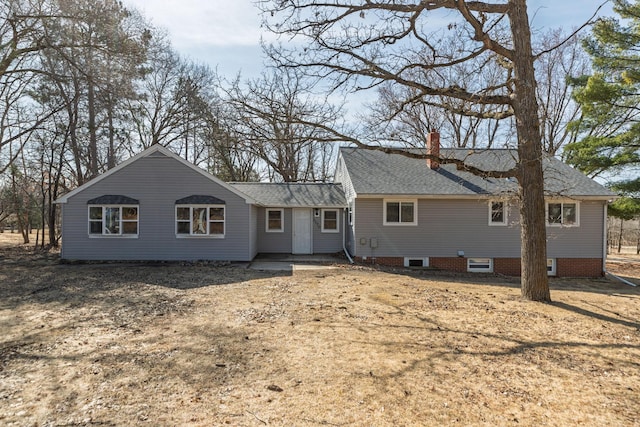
(551, 267)
(480, 265)
(416, 262)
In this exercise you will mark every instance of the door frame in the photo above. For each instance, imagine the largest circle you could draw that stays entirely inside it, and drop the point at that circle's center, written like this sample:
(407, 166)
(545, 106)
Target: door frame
(309, 229)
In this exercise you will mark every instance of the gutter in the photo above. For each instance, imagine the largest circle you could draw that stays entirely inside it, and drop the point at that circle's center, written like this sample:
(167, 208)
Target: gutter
(344, 234)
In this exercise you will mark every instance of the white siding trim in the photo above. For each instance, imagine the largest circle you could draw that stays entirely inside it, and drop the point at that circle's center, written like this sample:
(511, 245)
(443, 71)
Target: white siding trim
(266, 220)
(409, 259)
(400, 223)
(480, 265)
(330, 230)
(563, 202)
(505, 213)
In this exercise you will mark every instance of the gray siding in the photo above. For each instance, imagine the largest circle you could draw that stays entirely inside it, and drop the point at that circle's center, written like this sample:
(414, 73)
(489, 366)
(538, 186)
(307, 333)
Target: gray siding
(585, 241)
(253, 231)
(157, 182)
(327, 243)
(274, 243)
(342, 176)
(282, 242)
(448, 226)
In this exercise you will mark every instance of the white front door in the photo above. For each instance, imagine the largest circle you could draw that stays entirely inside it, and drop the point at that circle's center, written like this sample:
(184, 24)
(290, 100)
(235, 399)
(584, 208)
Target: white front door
(302, 243)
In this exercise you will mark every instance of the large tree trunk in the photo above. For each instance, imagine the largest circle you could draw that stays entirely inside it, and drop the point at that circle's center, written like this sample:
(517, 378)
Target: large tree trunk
(535, 283)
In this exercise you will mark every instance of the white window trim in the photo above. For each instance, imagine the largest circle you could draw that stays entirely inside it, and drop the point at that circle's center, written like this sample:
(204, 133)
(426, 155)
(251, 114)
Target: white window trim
(200, 236)
(400, 224)
(505, 216)
(562, 201)
(472, 269)
(266, 221)
(121, 235)
(554, 267)
(408, 259)
(330, 230)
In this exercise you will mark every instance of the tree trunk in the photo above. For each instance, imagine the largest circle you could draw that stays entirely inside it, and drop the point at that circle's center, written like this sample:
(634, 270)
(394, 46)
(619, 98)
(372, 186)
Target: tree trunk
(111, 156)
(535, 283)
(92, 127)
(620, 235)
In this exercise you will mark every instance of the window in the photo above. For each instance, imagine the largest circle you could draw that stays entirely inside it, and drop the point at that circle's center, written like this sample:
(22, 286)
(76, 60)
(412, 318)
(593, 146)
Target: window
(563, 214)
(551, 267)
(274, 221)
(416, 262)
(351, 213)
(480, 265)
(400, 212)
(113, 221)
(497, 213)
(330, 221)
(200, 221)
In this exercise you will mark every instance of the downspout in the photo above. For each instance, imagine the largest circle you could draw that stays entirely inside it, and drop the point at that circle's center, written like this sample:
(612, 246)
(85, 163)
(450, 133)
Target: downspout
(604, 252)
(62, 246)
(604, 238)
(345, 220)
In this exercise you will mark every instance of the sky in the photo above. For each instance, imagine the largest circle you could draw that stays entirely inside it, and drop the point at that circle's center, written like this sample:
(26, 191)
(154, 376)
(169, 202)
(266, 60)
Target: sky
(225, 34)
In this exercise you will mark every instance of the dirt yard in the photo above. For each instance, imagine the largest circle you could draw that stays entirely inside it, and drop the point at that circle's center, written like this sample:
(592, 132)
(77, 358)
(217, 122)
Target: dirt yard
(170, 344)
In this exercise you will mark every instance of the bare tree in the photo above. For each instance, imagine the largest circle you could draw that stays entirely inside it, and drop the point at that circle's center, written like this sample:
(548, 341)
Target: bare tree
(102, 48)
(272, 111)
(554, 71)
(155, 113)
(365, 44)
(22, 34)
(409, 124)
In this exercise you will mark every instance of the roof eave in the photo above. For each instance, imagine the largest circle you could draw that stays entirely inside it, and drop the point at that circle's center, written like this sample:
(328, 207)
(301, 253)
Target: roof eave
(477, 196)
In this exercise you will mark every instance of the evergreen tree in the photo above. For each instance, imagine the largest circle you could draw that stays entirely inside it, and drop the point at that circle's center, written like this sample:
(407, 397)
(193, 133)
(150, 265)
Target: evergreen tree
(610, 101)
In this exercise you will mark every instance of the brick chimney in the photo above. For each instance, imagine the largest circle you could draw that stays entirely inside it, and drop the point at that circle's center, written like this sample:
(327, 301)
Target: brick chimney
(433, 148)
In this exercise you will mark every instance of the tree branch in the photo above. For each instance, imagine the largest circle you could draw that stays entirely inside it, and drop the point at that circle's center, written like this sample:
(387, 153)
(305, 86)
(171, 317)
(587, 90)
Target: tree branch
(573, 34)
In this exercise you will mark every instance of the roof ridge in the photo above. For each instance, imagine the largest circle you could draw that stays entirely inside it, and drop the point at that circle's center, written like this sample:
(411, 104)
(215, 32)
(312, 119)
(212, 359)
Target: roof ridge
(423, 148)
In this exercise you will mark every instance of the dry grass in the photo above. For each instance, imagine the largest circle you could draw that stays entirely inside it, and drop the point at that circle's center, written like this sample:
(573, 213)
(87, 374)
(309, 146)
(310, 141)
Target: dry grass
(173, 344)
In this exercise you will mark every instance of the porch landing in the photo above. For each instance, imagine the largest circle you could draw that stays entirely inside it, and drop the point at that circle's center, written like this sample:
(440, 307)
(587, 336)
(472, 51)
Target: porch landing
(290, 262)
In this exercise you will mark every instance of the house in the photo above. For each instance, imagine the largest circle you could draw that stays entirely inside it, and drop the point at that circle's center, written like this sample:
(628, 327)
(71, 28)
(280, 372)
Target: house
(412, 212)
(382, 208)
(158, 206)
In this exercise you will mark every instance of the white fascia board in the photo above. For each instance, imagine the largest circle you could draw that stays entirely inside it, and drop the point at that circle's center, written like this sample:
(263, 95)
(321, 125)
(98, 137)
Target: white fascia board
(427, 196)
(301, 206)
(478, 196)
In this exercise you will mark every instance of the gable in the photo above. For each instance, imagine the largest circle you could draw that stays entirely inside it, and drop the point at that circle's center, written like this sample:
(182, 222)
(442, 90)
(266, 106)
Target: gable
(157, 160)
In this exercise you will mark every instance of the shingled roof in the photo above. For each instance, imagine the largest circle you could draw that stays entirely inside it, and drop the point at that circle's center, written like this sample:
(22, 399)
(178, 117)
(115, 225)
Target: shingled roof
(293, 194)
(376, 172)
